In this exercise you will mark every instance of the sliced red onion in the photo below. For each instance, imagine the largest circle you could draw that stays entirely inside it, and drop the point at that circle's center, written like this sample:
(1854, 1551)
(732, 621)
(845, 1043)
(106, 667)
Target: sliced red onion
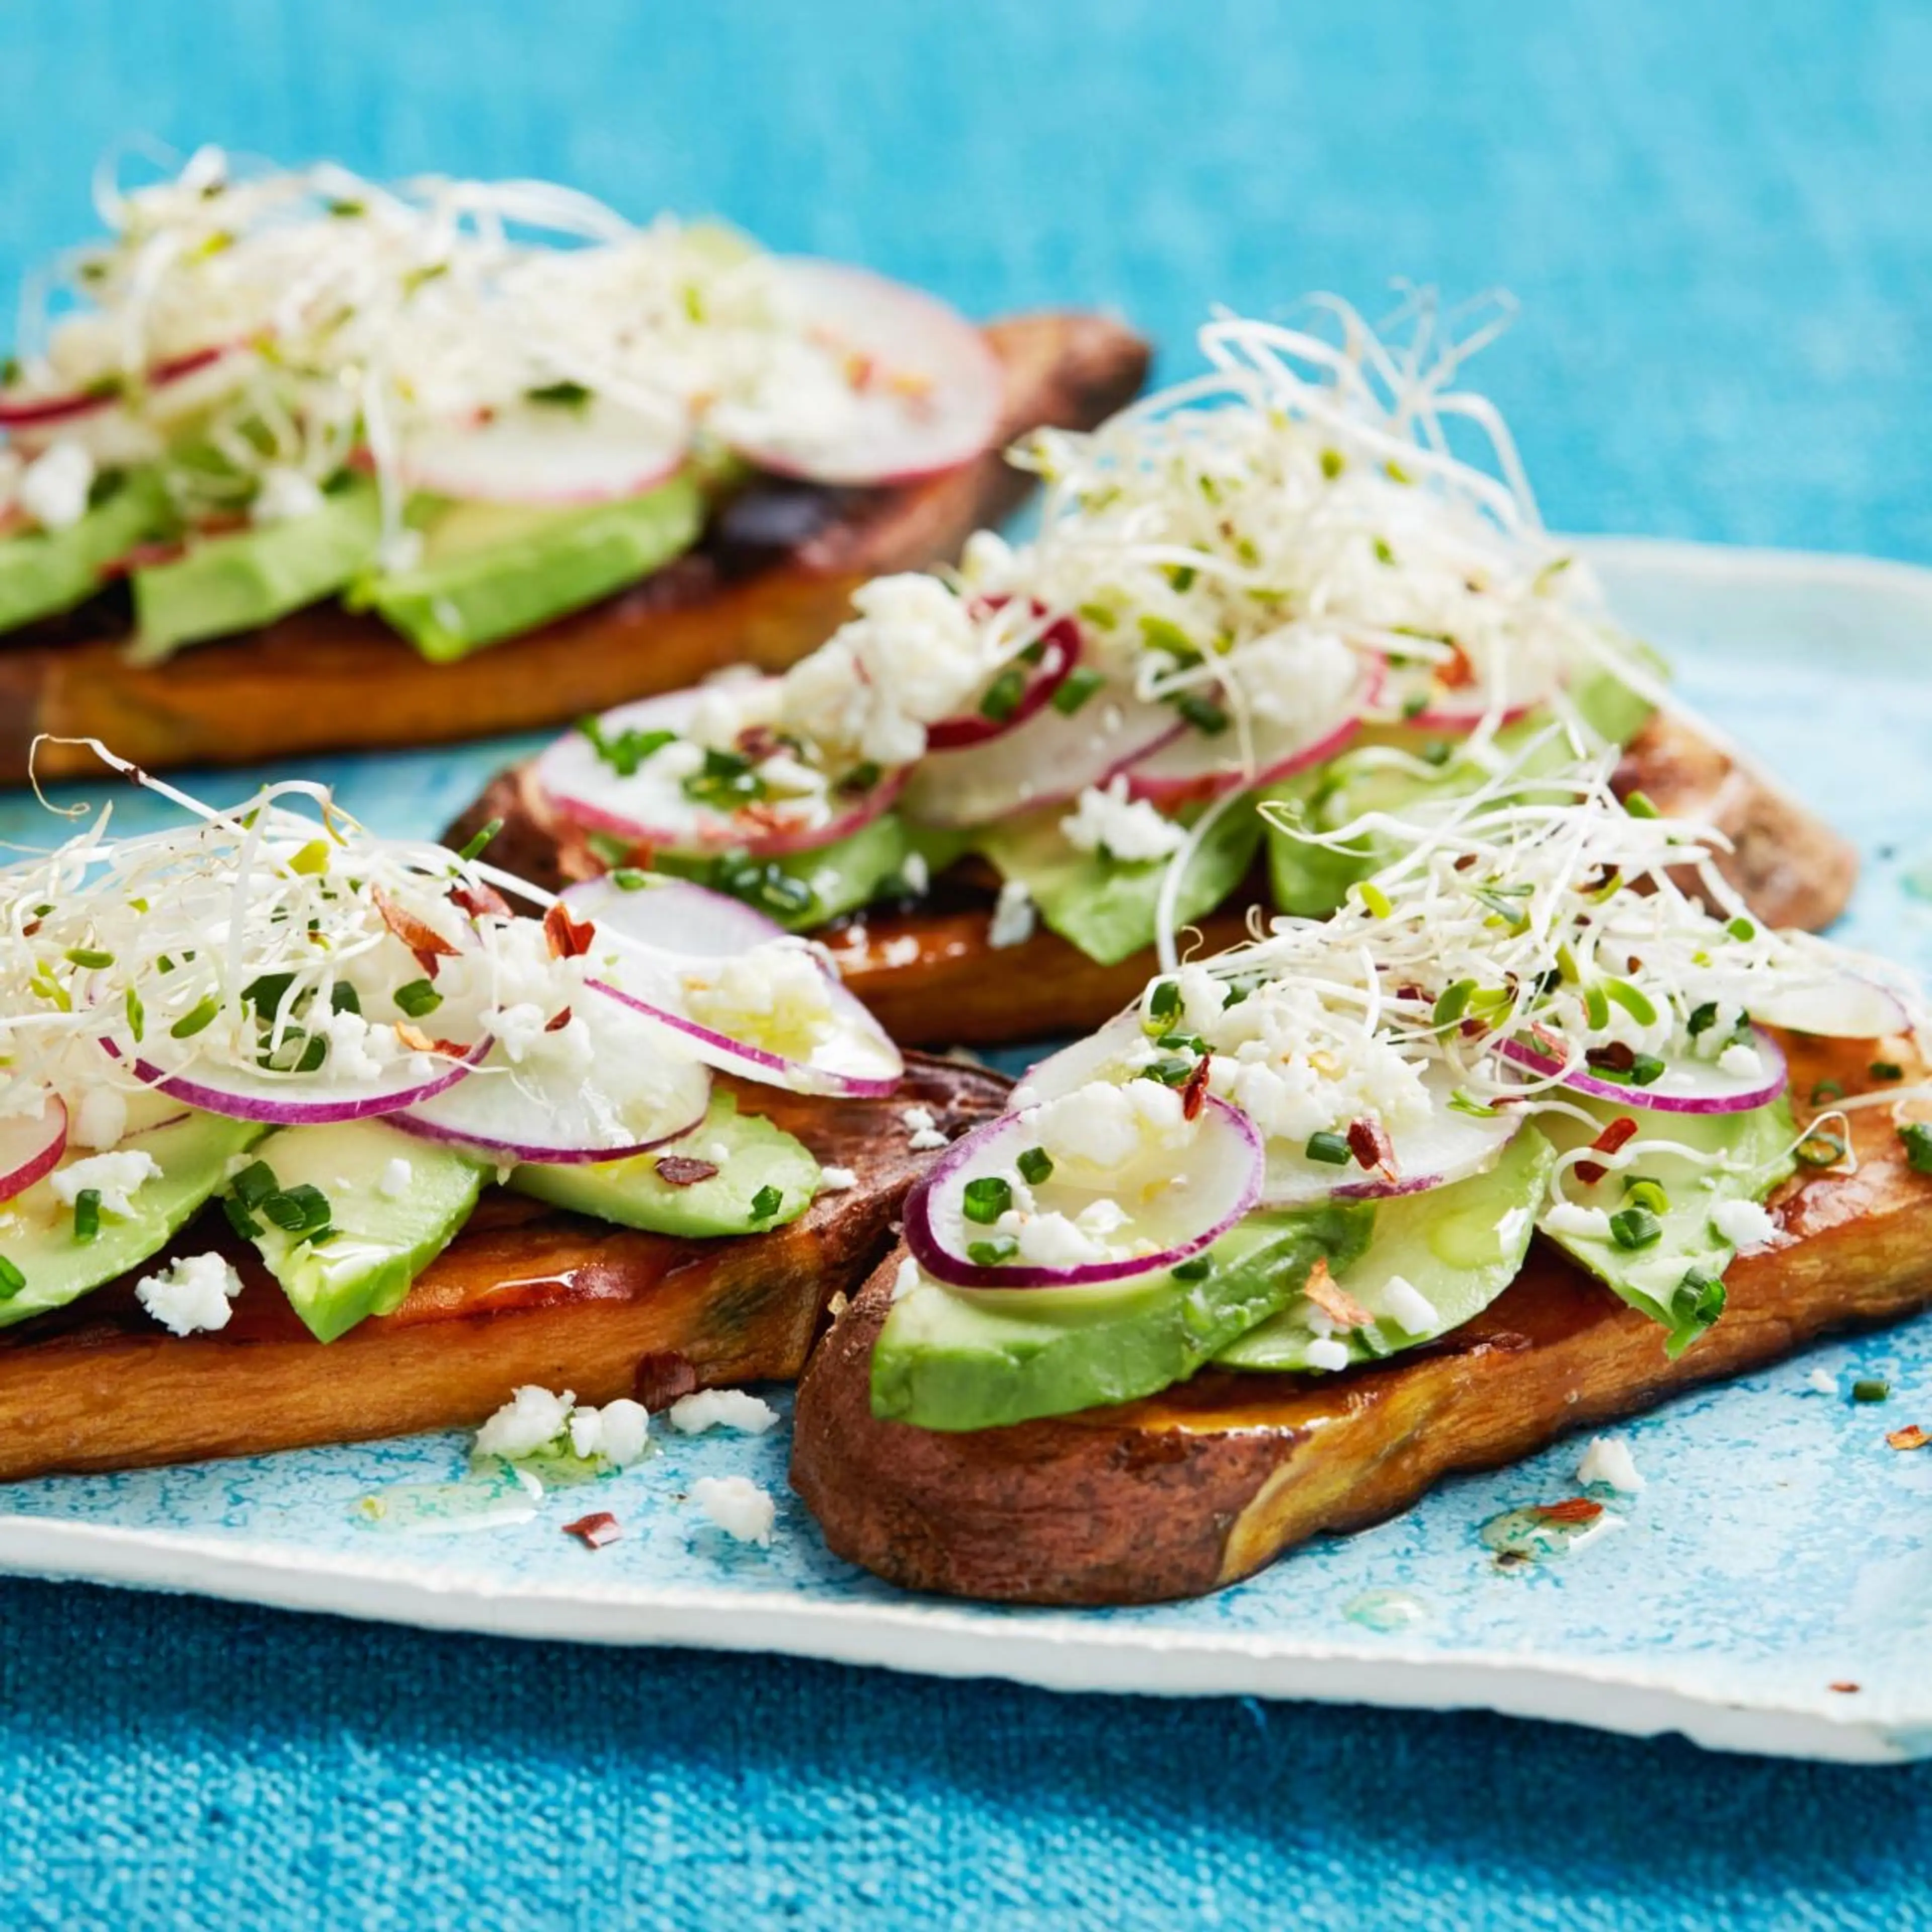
(506, 1113)
(1049, 761)
(291, 1100)
(1685, 1086)
(1193, 767)
(1060, 651)
(650, 808)
(30, 1144)
(926, 393)
(596, 451)
(673, 915)
(1221, 1170)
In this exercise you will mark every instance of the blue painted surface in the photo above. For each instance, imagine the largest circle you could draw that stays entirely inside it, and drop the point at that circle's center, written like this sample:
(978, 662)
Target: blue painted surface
(1718, 224)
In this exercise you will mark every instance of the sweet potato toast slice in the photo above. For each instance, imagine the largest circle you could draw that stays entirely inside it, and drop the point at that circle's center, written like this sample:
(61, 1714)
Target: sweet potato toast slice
(327, 679)
(930, 976)
(525, 1293)
(1203, 1484)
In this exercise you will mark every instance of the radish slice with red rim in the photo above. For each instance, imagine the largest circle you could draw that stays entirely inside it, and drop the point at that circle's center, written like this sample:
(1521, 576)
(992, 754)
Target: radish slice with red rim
(31, 1145)
(1048, 761)
(1015, 693)
(630, 1087)
(1684, 1086)
(1196, 766)
(296, 1100)
(608, 784)
(25, 410)
(1189, 1183)
(564, 454)
(906, 386)
(1827, 1001)
(673, 915)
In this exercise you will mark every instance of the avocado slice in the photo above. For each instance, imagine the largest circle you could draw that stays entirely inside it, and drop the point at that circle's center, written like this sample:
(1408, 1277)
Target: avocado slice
(37, 1227)
(246, 579)
(1108, 907)
(491, 570)
(385, 1222)
(1458, 1246)
(752, 1157)
(43, 572)
(1667, 1277)
(949, 1359)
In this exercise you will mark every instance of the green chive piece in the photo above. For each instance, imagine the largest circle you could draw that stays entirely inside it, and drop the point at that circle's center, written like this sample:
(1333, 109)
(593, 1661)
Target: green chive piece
(1633, 1228)
(302, 1211)
(1170, 1072)
(11, 1279)
(1826, 1089)
(202, 1017)
(1199, 1269)
(1164, 1001)
(87, 1214)
(1871, 1388)
(344, 998)
(1917, 1136)
(565, 395)
(1202, 713)
(1645, 1069)
(985, 1199)
(1075, 688)
(990, 1252)
(243, 1223)
(1035, 1164)
(1887, 1069)
(629, 879)
(1331, 1149)
(1640, 1191)
(1703, 1017)
(1821, 1148)
(1694, 1308)
(254, 1184)
(417, 998)
(766, 1203)
(1002, 698)
(472, 848)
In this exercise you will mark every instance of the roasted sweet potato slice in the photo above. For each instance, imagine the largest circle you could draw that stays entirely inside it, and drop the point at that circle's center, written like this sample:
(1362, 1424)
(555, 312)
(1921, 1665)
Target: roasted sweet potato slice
(326, 679)
(525, 1293)
(931, 975)
(1207, 1483)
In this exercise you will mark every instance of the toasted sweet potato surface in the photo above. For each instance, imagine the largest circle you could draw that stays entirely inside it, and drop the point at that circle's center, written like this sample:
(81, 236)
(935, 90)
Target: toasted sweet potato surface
(931, 975)
(1203, 1484)
(525, 1293)
(327, 679)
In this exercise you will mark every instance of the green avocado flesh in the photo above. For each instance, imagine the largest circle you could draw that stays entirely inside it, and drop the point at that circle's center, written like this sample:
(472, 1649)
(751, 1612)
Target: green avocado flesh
(37, 1227)
(1108, 908)
(1756, 1148)
(43, 572)
(246, 579)
(1458, 1246)
(491, 570)
(383, 1229)
(973, 1359)
(750, 1154)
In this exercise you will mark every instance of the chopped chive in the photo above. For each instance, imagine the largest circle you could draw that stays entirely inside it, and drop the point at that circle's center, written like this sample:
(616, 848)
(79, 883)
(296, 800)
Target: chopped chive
(417, 998)
(1164, 1001)
(11, 1279)
(1638, 805)
(472, 848)
(1331, 1149)
(861, 777)
(190, 1023)
(1640, 1191)
(1871, 1388)
(344, 998)
(1917, 1136)
(1703, 1017)
(1199, 1269)
(1821, 1148)
(243, 1223)
(1694, 1308)
(1001, 698)
(1169, 1072)
(1645, 1069)
(1035, 1164)
(1075, 688)
(1633, 1227)
(766, 1203)
(1181, 575)
(629, 879)
(89, 956)
(1887, 1069)
(1826, 1089)
(254, 1183)
(87, 1214)
(1202, 713)
(566, 394)
(302, 1211)
(991, 1251)
(985, 1199)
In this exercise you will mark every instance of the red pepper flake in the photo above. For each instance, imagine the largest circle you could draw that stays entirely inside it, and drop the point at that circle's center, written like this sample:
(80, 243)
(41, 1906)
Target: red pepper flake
(1589, 1172)
(1194, 1088)
(662, 1377)
(568, 938)
(1617, 1057)
(1456, 670)
(558, 1021)
(413, 1037)
(759, 742)
(1572, 1509)
(421, 938)
(1369, 1143)
(1334, 1300)
(478, 900)
(32, 926)
(594, 1531)
(681, 1170)
(1843, 1685)
(1910, 1437)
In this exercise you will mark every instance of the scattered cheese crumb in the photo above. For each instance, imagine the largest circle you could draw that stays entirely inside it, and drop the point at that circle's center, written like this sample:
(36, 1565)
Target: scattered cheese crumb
(916, 874)
(101, 1118)
(727, 1408)
(1822, 1383)
(1326, 1353)
(907, 1280)
(54, 487)
(114, 1177)
(837, 1180)
(1105, 821)
(1013, 917)
(1410, 1310)
(532, 1417)
(396, 1178)
(1608, 1459)
(193, 1297)
(1742, 1062)
(285, 496)
(1744, 1224)
(618, 1431)
(924, 1129)
(1566, 1217)
(738, 1507)
(919, 1119)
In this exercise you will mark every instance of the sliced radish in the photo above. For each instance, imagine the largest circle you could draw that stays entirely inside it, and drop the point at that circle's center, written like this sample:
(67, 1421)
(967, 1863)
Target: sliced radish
(1050, 759)
(1685, 1087)
(30, 1145)
(1101, 1054)
(292, 1100)
(596, 451)
(1827, 1001)
(1194, 766)
(1450, 1145)
(913, 387)
(1459, 722)
(650, 806)
(673, 915)
(1059, 651)
(855, 1057)
(21, 409)
(1187, 1200)
(638, 1089)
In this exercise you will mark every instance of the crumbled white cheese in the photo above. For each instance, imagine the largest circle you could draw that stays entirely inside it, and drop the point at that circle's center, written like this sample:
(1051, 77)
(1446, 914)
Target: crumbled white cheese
(1051, 1240)
(1744, 1224)
(738, 1507)
(1608, 1459)
(1326, 1353)
(722, 1408)
(114, 1177)
(777, 996)
(1567, 1217)
(918, 1120)
(101, 1117)
(396, 1178)
(927, 1140)
(1821, 1382)
(53, 489)
(916, 874)
(286, 495)
(1104, 1128)
(532, 1417)
(193, 1296)
(618, 1431)
(1410, 1310)
(1129, 831)
(837, 1180)
(1013, 918)
(907, 1279)
(1740, 1062)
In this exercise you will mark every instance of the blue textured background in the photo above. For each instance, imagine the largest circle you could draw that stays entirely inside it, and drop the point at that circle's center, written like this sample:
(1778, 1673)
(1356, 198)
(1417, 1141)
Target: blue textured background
(1720, 221)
